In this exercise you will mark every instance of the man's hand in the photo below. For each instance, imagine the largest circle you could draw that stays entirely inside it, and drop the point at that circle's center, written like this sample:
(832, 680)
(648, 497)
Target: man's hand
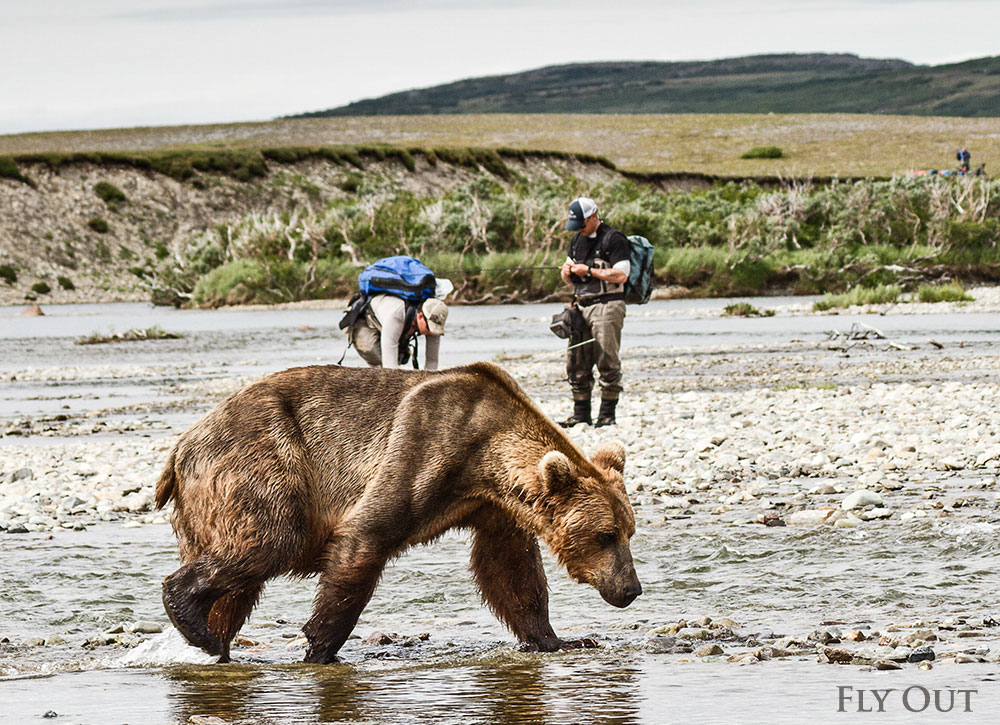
(565, 271)
(580, 270)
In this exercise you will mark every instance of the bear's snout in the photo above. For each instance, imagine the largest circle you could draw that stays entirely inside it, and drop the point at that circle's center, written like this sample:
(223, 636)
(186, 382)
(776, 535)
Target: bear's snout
(624, 594)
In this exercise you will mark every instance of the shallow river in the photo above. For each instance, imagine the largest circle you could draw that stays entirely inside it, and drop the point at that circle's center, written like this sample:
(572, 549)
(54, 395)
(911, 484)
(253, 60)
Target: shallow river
(771, 580)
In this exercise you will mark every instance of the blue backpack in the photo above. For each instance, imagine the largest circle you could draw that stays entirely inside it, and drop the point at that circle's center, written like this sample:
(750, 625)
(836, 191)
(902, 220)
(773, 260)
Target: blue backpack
(403, 277)
(639, 284)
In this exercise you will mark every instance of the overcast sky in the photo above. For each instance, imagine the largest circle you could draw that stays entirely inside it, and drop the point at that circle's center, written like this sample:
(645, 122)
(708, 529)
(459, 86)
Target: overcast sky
(76, 64)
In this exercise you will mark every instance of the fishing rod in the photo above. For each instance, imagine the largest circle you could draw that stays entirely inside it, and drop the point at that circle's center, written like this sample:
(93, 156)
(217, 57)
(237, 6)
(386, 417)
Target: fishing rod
(495, 269)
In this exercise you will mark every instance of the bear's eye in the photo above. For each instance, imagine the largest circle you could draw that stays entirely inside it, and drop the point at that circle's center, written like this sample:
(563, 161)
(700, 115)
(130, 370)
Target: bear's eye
(605, 539)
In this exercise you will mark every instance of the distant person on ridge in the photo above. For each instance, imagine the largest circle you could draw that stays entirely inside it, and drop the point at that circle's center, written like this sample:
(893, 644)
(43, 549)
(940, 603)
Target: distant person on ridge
(597, 266)
(963, 157)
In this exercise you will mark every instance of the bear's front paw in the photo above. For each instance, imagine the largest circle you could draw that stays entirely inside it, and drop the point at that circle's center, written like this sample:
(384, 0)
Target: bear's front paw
(585, 643)
(554, 644)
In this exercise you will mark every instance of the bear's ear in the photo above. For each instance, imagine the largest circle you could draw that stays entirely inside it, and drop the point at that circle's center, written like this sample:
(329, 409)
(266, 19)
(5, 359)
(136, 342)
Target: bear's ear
(610, 455)
(555, 472)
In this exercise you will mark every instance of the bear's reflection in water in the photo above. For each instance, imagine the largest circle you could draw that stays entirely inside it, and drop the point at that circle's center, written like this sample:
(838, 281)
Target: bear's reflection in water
(505, 687)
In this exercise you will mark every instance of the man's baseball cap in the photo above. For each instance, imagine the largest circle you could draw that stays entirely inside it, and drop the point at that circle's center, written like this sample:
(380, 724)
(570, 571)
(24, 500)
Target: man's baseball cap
(435, 312)
(579, 211)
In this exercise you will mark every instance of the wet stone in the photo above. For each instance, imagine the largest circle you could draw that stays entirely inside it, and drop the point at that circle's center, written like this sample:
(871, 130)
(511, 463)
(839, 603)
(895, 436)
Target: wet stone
(695, 633)
(378, 639)
(824, 636)
(921, 654)
(887, 665)
(659, 644)
(834, 655)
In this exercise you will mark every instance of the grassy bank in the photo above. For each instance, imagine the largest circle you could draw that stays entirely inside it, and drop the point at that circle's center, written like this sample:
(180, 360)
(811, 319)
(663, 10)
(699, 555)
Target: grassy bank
(811, 144)
(500, 240)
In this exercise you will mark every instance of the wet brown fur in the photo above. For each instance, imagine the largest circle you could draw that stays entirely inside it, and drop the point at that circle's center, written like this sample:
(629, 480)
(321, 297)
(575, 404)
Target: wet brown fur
(334, 471)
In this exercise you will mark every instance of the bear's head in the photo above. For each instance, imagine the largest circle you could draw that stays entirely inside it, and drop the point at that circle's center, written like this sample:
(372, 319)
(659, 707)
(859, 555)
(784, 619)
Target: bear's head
(591, 521)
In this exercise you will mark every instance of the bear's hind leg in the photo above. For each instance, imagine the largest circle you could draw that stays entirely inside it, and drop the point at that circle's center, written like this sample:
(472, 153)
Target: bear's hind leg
(228, 614)
(192, 593)
(188, 597)
(507, 566)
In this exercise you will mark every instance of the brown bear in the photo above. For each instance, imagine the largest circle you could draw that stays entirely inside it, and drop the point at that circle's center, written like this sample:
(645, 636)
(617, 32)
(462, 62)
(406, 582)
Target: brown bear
(334, 471)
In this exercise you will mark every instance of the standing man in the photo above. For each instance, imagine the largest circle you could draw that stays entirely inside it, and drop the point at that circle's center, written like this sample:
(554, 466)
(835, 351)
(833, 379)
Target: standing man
(597, 267)
(382, 334)
(964, 159)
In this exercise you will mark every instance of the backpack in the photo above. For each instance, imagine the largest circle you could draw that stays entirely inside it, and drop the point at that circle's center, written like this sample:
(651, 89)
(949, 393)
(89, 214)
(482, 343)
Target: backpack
(404, 277)
(639, 284)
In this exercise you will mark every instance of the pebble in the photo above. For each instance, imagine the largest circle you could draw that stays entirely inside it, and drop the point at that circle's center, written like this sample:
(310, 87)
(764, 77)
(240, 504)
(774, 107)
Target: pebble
(708, 650)
(887, 665)
(860, 499)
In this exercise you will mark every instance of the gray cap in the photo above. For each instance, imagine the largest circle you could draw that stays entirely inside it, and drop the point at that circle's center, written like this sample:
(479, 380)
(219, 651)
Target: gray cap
(435, 312)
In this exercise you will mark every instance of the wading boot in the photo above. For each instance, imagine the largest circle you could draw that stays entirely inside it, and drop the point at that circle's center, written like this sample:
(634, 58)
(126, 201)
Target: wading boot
(581, 414)
(607, 414)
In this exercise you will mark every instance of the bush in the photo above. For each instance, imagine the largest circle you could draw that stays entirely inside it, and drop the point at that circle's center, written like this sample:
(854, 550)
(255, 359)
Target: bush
(763, 152)
(98, 224)
(881, 294)
(66, 283)
(9, 170)
(41, 288)
(952, 292)
(745, 309)
(109, 194)
(161, 251)
(8, 274)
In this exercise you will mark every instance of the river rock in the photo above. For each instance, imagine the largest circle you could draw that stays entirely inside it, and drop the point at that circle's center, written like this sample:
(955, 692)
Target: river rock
(834, 655)
(378, 638)
(920, 654)
(658, 644)
(695, 633)
(145, 628)
(887, 665)
(708, 650)
(809, 517)
(824, 636)
(860, 499)
(32, 310)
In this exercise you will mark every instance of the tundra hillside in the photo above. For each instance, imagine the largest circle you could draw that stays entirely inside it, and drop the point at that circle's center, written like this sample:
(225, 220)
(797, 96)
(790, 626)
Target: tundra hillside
(280, 224)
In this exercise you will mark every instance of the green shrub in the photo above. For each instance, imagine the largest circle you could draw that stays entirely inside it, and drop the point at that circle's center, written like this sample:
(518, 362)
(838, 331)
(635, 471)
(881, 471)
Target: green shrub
(66, 283)
(351, 183)
(98, 224)
(9, 170)
(103, 251)
(41, 288)
(109, 194)
(745, 309)
(8, 274)
(161, 251)
(859, 296)
(763, 152)
(952, 292)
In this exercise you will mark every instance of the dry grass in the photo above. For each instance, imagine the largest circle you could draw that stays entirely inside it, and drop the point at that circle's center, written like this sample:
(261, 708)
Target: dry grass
(813, 144)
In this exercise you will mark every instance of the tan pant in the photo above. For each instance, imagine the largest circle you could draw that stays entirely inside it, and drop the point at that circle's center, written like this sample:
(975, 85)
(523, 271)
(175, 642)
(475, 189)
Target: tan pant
(604, 323)
(368, 342)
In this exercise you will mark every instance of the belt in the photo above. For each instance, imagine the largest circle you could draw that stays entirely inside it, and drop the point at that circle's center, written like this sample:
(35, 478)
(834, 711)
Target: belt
(598, 299)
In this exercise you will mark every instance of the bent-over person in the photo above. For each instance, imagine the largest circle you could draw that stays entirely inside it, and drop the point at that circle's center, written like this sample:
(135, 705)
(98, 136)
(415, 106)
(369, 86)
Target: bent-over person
(382, 335)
